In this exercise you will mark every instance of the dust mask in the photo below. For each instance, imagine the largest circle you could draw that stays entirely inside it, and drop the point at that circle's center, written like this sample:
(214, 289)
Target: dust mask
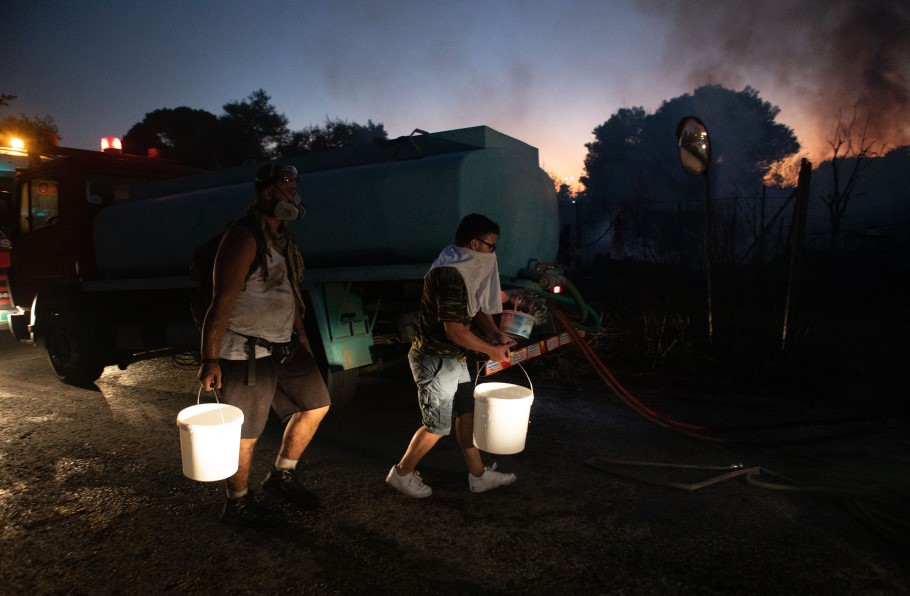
(289, 210)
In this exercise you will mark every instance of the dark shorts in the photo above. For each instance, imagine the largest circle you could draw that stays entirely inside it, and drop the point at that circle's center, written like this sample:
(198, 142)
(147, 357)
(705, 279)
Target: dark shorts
(444, 390)
(287, 388)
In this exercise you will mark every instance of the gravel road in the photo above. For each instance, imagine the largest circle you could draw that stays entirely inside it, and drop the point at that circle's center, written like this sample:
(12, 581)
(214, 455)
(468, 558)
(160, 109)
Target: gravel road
(93, 501)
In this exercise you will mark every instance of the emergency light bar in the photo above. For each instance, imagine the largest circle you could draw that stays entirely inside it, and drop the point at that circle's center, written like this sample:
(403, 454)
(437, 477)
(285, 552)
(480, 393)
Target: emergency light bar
(111, 145)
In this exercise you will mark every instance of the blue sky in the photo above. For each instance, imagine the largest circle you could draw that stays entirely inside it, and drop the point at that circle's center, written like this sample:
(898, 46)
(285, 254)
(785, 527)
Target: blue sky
(546, 72)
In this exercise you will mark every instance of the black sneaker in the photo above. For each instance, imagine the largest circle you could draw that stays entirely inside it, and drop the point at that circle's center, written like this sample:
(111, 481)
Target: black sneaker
(284, 483)
(246, 512)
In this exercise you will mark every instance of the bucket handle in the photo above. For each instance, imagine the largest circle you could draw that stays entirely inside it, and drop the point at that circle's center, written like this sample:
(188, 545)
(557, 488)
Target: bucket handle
(217, 401)
(518, 364)
(214, 392)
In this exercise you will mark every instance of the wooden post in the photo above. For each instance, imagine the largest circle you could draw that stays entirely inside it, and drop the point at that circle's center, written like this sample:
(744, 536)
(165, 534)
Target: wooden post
(797, 233)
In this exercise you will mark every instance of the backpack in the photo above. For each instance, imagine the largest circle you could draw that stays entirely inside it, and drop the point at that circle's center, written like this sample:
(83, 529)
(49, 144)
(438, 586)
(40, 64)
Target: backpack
(202, 266)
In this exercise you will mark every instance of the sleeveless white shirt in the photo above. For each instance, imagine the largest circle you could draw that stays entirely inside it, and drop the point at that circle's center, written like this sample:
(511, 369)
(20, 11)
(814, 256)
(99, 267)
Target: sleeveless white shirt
(265, 308)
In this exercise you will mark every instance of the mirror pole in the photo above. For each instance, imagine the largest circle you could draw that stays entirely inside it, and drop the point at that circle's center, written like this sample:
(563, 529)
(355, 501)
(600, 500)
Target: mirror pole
(709, 247)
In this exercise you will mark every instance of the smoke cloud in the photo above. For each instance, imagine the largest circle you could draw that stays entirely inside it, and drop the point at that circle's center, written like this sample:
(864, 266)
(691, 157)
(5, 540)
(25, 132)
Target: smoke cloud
(829, 59)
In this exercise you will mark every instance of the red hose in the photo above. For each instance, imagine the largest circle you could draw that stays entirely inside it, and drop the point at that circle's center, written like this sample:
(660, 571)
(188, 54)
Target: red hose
(619, 390)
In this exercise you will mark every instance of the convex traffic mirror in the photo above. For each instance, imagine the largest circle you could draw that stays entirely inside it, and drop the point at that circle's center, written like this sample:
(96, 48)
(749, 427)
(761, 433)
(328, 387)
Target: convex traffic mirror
(694, 146)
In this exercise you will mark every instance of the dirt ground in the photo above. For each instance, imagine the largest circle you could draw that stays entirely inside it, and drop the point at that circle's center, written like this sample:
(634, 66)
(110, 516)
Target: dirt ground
(93, 501)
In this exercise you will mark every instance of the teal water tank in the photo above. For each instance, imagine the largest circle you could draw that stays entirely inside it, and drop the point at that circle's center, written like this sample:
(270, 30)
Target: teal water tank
(370, 213)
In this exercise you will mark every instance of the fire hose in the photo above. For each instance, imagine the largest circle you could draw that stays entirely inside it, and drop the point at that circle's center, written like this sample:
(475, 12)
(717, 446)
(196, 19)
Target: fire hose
(651, 415)
(697, 430)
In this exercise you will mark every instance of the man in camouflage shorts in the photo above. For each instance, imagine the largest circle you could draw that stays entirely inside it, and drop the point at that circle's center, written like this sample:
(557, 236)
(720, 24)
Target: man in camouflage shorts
(461, 288)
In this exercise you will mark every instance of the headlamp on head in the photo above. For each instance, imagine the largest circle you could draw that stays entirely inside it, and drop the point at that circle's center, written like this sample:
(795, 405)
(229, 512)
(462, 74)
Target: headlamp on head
(272, 173)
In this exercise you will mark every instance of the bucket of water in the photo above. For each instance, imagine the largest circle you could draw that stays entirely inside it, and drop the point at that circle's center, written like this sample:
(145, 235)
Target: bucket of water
(516, 324)
(501, 414)
(210, 440)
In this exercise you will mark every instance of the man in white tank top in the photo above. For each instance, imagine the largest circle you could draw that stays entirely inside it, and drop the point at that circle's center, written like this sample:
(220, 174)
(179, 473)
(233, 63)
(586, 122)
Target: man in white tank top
(255, 350)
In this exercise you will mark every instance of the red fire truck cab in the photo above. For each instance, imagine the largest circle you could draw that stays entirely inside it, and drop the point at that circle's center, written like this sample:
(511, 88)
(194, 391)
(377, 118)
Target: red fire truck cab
(47, 220)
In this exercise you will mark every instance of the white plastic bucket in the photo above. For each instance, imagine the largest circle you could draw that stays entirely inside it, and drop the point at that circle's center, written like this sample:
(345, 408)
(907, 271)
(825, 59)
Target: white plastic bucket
(516, 324)
(210, 441)
(501, 415)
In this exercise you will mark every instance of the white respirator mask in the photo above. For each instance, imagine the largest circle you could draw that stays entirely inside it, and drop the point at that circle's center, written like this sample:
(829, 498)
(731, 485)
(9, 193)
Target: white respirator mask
(270, 175)
(292, 210)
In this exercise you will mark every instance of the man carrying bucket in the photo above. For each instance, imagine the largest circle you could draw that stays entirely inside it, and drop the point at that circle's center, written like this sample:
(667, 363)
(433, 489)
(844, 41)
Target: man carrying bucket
(254, 347)
(461, 288)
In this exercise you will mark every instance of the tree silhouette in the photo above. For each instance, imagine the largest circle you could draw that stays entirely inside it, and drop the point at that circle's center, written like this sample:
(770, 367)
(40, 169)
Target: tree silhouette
(254, 127)
(182, 134)
(249, 131)
(332, 135)
(615, 156)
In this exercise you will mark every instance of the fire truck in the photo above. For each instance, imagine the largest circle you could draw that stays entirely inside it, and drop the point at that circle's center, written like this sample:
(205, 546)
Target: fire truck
(102, 243)
(46, 219)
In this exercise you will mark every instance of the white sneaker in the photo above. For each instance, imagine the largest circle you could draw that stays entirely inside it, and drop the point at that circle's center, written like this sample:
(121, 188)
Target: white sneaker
(489, 480)
(410, 484)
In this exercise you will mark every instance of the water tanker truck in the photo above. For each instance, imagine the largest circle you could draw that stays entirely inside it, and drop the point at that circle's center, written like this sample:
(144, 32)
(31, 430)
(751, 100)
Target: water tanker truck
(118, 289)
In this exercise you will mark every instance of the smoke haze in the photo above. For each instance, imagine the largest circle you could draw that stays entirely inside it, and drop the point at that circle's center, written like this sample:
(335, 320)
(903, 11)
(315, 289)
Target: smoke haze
(832, 57)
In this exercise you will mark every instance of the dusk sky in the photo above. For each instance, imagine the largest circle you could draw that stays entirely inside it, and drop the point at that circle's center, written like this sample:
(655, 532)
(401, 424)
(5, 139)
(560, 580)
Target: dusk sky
(546, 72)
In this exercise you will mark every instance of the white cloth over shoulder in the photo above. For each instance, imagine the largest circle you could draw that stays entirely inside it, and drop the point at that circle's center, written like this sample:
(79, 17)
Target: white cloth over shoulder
(480, 272)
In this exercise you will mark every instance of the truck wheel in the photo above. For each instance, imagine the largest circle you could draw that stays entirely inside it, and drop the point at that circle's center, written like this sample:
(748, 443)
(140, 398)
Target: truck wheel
(71, 355)
(342, 385)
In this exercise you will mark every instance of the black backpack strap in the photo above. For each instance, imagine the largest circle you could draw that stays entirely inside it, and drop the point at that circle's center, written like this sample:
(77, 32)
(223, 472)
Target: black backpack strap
(250, 222)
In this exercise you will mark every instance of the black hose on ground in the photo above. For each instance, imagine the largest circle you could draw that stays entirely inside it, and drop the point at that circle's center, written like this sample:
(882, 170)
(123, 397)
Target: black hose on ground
(879, 501)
